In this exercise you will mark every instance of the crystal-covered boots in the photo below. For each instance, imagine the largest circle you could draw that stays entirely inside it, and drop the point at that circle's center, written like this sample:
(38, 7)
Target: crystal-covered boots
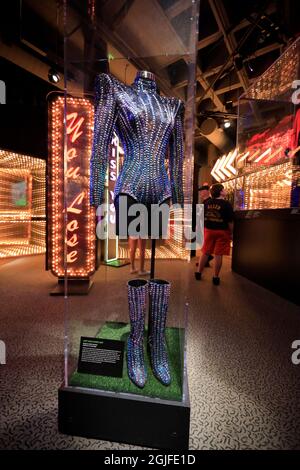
(159, 291)
(137, 295)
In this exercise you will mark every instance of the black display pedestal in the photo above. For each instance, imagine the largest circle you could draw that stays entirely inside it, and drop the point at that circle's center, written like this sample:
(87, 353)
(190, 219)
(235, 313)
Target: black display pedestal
(131, 419)
(266, 249)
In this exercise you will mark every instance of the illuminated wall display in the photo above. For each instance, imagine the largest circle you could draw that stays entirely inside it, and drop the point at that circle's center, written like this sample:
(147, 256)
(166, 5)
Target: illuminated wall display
(264, 174)
(22, 205)
(71, 219)
(268, 187)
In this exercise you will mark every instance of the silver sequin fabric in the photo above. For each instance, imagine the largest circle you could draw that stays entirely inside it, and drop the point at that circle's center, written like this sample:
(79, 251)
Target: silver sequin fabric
(150, 127)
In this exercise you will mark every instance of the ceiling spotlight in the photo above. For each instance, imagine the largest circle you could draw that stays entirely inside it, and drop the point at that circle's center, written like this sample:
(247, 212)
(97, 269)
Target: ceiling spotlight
(53, 76)
(226, 123)
(229, 105)
(250, 67)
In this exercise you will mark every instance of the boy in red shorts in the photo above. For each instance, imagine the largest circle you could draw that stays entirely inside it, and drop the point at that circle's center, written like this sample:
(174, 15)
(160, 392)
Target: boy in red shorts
(218, 227)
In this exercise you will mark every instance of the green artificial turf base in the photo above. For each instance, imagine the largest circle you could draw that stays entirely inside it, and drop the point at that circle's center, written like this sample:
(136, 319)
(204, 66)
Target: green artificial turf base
(153, 388)
(116, 263)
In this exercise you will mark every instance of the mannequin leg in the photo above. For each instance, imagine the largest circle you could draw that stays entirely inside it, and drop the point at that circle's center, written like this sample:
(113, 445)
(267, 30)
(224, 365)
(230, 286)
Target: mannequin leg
(132, 248)
(142, 249)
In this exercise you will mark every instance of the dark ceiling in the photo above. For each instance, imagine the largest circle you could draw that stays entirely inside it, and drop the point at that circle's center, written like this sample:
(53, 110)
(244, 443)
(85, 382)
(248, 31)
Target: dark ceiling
(237, 41)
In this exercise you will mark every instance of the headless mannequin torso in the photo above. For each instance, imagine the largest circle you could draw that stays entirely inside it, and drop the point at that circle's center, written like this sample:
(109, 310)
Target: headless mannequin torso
(148, 125)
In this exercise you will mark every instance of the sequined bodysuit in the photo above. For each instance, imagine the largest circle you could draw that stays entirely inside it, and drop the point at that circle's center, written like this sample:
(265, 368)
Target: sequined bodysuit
(147, 125)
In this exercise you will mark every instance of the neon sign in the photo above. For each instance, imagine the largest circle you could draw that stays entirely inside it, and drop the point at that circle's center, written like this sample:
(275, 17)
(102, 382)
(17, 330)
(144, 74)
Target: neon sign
(112, 244)
(72, 220)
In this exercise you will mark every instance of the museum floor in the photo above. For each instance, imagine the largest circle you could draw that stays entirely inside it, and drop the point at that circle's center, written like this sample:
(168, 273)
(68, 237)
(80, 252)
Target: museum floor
(244, 388)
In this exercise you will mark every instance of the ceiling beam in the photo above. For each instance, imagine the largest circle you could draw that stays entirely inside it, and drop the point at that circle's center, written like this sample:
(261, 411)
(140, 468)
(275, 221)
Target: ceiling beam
(225, 89)
(258, 53)
(212, 71)
(229, 39)
(243, 24)
(234, 104)
(212, 38)
(209, 40)
(211, 93)
(33, 65)
(265, 50)
(205, 84)
(220, 15)
(271, 8)
(200, 45)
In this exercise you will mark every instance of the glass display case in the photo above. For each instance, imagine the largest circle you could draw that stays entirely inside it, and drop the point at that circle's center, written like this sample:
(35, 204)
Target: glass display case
(124, 127)
(266, 180)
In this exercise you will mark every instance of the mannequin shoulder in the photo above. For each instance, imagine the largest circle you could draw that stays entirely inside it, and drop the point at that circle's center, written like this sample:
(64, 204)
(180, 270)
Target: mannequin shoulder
(107, 82)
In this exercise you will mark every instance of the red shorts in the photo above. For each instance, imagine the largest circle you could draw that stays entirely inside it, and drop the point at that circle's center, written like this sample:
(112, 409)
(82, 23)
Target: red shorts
(216, 242)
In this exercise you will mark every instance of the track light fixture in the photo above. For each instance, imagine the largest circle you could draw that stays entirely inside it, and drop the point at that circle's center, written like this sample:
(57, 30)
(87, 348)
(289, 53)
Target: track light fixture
(53, 76)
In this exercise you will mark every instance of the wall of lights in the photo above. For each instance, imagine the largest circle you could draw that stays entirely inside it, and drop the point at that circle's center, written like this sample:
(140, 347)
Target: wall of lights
(252, 187)
(22, 205)
(277, 81)
(71, 242)
(264, 171)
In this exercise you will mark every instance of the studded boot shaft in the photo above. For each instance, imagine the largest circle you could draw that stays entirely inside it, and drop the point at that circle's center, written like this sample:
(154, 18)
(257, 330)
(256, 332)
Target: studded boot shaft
(159, 291)
(137, 294)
